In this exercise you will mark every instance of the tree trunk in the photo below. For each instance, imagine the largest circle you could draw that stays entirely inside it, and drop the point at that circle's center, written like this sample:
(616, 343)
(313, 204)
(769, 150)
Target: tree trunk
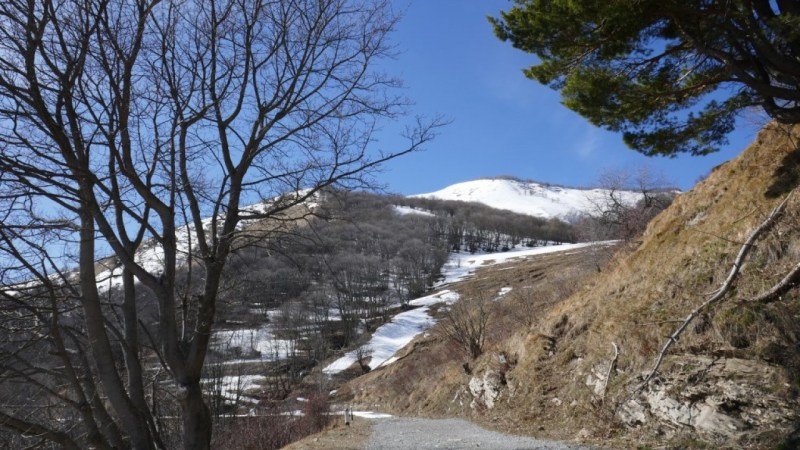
(196, 418)
(132, 420)
(131, 345)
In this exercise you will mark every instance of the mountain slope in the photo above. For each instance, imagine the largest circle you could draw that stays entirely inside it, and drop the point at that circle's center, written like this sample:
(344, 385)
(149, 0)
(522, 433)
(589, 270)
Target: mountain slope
(731, 381)
(528, 197)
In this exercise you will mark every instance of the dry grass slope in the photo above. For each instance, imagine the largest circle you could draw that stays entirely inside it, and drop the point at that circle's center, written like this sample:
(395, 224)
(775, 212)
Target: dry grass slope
(545, 345)
(684, 255)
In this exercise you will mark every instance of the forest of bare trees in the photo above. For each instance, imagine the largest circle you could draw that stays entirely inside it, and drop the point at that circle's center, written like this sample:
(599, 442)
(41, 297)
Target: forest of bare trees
(345, 271)
(123, 126)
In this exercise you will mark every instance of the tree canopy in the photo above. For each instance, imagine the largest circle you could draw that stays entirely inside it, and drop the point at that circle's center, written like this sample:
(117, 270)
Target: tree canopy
(670, 75)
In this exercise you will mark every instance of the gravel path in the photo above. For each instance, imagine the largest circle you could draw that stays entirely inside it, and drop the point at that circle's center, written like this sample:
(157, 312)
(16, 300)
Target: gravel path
(413, 433)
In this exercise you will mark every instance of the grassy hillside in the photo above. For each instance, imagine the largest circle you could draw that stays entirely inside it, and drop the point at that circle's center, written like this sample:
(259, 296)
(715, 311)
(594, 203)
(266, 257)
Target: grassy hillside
(731, 380)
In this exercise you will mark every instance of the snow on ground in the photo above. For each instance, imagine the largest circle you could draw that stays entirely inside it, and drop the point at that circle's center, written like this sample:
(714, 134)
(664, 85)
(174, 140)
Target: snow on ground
(258, 342)
(461, 265)
(394, 335)
(529, 198)
(234, 388)
(404, 210)
(446, 296)
(151, 255)
(365, 414)
(502, 293)
(372, 415)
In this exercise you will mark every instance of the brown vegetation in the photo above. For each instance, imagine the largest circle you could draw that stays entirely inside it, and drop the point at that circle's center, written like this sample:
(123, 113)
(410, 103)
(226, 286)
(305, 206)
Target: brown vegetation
(553, 359)
(273, 428)
(337, 437)
(430, 376)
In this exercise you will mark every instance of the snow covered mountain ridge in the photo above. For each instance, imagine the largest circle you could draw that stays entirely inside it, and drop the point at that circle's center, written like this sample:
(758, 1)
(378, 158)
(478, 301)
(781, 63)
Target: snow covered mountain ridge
(529, 197)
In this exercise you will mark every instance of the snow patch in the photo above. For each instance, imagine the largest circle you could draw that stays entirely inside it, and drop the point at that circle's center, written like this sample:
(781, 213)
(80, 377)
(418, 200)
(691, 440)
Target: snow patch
(371, 415)
(255, 343)
(503, 292)
(529, 198)
(463, 264)
(234, 388)
(393, 336)
(405, 210)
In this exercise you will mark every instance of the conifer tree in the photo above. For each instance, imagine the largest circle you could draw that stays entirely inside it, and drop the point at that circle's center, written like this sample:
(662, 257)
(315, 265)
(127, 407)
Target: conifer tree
(670, 75)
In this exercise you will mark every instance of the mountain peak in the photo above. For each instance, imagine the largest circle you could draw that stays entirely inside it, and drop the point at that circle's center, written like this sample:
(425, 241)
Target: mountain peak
(527, 197)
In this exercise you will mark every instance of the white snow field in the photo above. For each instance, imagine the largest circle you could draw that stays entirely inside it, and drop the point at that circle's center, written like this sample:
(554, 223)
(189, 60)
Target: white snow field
(255, 344)
(529, 198)
(461, 265)
(234, 388)
(393, 336)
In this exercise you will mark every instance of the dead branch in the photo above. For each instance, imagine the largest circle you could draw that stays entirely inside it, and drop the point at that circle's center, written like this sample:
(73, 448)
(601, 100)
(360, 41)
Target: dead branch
(661, 322)
(791, 280)
(611, 368)
(720, 293)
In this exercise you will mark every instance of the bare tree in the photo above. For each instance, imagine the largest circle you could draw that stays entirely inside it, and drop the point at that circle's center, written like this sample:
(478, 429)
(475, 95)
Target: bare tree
(466, 321)
(139, 129)
(631, 198)
(363, 356)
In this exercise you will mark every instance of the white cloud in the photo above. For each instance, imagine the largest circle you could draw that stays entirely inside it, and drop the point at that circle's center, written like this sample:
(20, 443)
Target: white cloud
(588, 143)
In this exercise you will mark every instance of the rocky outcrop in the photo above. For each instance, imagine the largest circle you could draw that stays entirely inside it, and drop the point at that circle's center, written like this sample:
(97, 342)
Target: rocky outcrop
(486, 389)
(717, 397)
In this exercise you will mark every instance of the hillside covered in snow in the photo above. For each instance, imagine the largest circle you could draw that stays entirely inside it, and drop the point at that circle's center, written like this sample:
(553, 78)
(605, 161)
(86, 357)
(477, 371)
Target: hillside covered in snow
(528, 197)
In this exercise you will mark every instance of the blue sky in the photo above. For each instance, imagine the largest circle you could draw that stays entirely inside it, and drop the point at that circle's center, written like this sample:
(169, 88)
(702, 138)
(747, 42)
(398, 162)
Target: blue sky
(502, 123)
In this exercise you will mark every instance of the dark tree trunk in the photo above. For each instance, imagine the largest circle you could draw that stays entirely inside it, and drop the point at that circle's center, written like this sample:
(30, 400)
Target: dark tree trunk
(196, 418)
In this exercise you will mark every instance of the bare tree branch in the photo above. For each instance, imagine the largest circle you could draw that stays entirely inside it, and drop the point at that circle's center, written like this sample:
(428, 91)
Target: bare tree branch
(721, 291)
(141, 130)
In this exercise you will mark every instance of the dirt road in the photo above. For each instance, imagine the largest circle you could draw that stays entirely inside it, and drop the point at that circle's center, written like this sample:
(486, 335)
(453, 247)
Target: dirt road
(399, 433)
(409, 433)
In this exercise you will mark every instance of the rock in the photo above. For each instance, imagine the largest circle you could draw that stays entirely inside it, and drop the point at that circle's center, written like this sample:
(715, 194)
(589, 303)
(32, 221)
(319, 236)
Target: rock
(669, 409)
(632, 413)
(708, 415)
(486, 389)
(719, 397)
(710, 419)
(597, 378)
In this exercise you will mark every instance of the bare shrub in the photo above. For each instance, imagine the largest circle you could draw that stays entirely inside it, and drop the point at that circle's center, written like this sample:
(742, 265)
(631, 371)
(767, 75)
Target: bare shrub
(275, 427)
(466, 321)
(632, 197)
(267, 431)
(363, 355)
(316, 415)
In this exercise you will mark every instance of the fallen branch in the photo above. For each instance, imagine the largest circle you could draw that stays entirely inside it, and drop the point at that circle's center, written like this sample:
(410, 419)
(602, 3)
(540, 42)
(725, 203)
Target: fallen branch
(611, 368)
(791, 280)
(661, 322)
(720, 293)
